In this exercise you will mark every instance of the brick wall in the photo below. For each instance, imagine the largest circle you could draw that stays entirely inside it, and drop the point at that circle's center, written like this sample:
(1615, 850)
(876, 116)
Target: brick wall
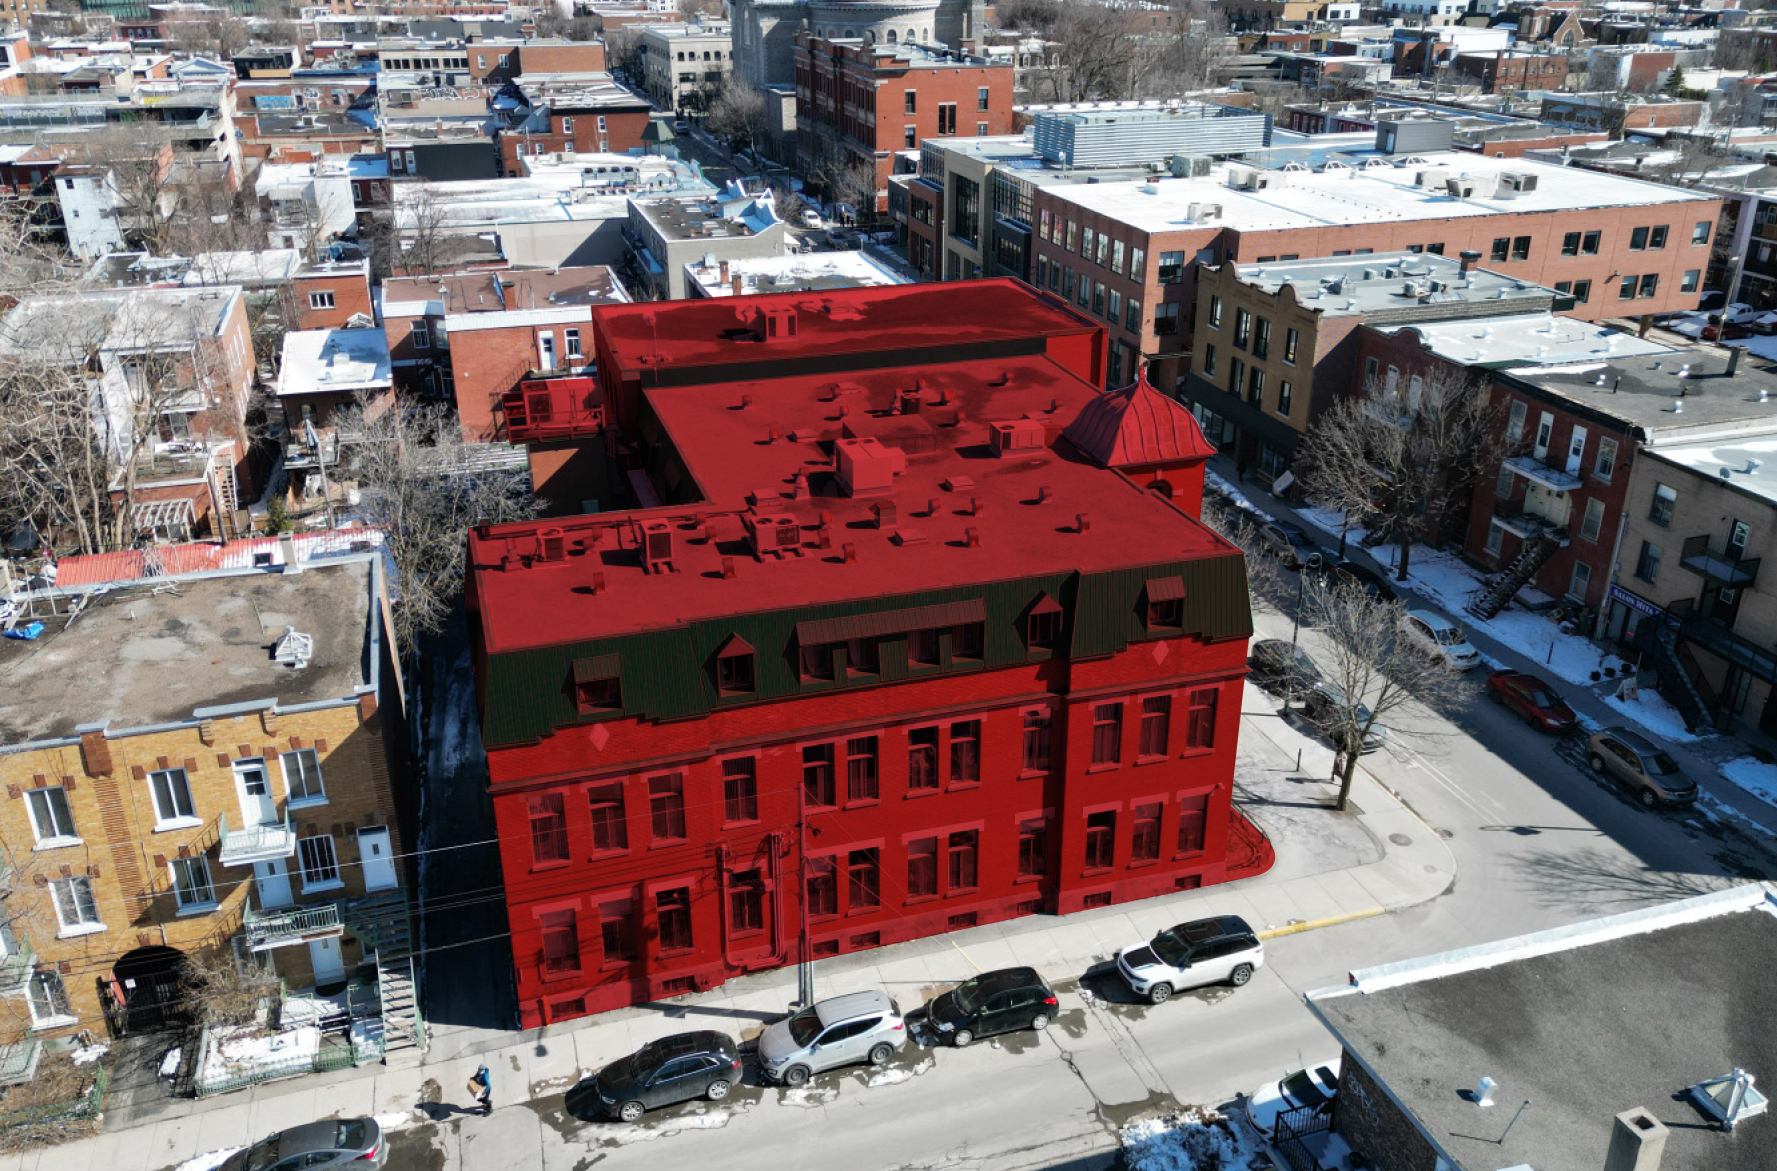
(1375, 1127)
(588, 57)
(120, 850)
(350, 292)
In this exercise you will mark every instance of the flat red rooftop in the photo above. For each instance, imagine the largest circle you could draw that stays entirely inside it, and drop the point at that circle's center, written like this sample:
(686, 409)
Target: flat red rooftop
(1022, 504)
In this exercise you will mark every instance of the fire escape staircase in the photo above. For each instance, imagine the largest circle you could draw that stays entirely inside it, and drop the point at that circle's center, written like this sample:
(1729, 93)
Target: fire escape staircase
(384, 922)
(1536, 552)
(1681, 680)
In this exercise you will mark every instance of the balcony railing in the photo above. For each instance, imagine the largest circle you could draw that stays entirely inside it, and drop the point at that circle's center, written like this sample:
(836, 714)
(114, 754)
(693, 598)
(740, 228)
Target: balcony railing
(256, 843)
(15, 969)
(1725, 568)
(1538, 472)
(1514, 518)
(287, 926)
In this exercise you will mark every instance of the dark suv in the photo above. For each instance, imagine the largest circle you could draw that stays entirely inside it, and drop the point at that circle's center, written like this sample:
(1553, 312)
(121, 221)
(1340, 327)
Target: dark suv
(993, 1002)
(673, 1069)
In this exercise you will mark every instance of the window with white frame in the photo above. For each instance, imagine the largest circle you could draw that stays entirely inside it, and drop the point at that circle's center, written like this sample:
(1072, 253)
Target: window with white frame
(302, 776)
(77, 912)
(571, 340)
(320, 866)
(172, 798)
(191, 883)
(48, 998)
(51, 818)
(567, 126)
(322, 299)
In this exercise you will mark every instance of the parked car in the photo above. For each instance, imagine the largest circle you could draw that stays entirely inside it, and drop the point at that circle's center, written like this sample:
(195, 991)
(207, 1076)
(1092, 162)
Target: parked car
(316, 1146)
(702, 1064)
(1222, 950)
(682, 126)
(846, 1030)
(1324, 706)
(842, 237)
(1533, 699)
(1641, 766)
(811, 219)
(1289, 544)
(1277, 664)
(1437, 635)
(1733, 332)
(1350, 573)
(993, 1002)
(1314, 1086)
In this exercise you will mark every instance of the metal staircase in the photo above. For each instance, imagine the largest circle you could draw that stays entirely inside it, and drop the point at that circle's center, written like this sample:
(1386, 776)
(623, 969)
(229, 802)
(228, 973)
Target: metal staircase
(1680, 685)
(228, 501)
(384, 923)
(1494, 598)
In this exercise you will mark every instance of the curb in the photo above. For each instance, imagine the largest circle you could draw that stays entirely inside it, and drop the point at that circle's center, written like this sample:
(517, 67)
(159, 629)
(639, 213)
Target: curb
(1329, 921)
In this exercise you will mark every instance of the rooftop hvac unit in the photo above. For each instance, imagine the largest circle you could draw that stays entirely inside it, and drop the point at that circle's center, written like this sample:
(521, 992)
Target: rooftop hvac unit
(1018, 435)
(1434, 178)
(1516, 183)
(1460, 188)
(772, 534)
(657, 546)
(1190, 166)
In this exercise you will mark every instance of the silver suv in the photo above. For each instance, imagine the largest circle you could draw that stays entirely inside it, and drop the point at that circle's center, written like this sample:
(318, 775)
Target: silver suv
(846, 1030)
(1641, 766)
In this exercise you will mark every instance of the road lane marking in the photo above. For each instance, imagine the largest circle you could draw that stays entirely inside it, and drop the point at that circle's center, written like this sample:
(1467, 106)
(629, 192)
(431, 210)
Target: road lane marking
(1455, 790)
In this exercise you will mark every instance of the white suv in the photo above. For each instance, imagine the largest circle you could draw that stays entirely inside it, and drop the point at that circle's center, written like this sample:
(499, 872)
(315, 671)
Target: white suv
(1223, 950)
(1437, 635)
(846, 1030)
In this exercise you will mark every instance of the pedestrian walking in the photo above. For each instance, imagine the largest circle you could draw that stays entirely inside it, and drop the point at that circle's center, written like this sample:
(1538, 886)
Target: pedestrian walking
(481, 1089)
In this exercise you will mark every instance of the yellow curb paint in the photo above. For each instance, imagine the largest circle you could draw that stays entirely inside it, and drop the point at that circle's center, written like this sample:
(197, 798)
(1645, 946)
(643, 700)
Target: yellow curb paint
(1329, 921)
(964, 954)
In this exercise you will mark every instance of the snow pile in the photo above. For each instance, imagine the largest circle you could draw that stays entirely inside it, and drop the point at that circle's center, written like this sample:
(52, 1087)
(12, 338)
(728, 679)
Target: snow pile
(1650, 709)
(232, 1054)
(88, 1054)
(1753, 775)
(208, 1161)
(889, 1077)
(1188, 1141)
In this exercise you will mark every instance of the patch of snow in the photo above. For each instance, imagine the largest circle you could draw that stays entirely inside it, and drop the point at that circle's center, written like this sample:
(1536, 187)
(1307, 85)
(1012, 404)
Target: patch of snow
(1753, 775)
(1712, 808)
(1328, 521)
(237, 1053)
(1650, 709)
(892, 1077)
(1188, 1142)
(89, 1053)
(1236, 498)
(208, 1161)
(807, 1098)
(390, 1122)
(623, 1134)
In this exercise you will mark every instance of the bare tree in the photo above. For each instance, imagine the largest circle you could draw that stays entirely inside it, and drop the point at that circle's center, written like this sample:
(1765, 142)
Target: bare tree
(227, 991)
(220, 36)
(737, 115)
(623, 52)
(412, 238)
(1400, 458)
(144, 183)
(57, 472)
(1372, 671)
(425, 488)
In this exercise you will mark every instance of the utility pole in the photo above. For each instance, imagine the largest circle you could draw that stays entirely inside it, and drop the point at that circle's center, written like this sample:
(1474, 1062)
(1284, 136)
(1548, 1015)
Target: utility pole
(805, 969)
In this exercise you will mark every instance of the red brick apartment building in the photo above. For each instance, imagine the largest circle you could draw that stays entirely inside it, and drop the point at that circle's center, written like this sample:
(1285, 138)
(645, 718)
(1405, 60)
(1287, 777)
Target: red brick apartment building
(582, 119)
(865, 101)
(901, 645)
(1504, 70)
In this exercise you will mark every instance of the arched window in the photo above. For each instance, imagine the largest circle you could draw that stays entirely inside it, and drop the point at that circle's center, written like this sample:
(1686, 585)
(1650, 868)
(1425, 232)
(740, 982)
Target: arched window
(891, 36)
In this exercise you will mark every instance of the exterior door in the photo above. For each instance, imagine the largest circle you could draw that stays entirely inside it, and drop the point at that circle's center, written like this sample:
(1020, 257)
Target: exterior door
(273, 881)
(253, 785)
(1576, 451)
(378, 859)
(546, 350)
(324, 957)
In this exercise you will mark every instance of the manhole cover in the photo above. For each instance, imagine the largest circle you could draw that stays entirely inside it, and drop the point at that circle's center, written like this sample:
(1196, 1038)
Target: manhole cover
(1445, 834)
(1400, 839)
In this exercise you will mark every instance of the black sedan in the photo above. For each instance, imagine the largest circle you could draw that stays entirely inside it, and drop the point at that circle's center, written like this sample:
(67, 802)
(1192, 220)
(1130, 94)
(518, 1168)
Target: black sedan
(704, 1064)
(316, 1146)
(993, 1002)
(1278, 665)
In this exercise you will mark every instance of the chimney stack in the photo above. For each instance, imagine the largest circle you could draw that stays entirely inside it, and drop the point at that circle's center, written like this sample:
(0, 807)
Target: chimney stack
(1469, 260)
(724, 272)
(287, 546)
(1637, 1141)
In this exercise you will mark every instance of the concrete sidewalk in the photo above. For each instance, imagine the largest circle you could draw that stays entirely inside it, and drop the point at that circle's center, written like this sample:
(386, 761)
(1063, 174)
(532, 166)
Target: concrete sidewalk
(1331, 868)
(1701, 759)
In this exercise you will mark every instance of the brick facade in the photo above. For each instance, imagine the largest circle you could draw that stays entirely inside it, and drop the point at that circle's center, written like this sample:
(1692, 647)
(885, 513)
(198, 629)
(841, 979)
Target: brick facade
(1373, 1124)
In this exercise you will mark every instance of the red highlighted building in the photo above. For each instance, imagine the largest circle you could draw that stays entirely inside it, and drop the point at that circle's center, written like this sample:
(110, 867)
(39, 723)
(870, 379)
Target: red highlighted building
(924, 633)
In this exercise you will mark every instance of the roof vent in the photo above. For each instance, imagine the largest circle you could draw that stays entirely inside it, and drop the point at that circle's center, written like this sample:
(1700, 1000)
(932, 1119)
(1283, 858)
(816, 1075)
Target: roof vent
(295, 649)
(772, 533)
(656, 539)
(1729, 1099)
(884, 511)
(1082, 523)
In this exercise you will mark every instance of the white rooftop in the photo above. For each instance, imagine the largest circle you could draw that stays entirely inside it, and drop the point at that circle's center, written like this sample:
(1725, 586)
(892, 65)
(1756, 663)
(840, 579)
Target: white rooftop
(267, 267)
(1540, 339)
(334, 361)
(795, 273)
(1366, 188)
(1750, 464)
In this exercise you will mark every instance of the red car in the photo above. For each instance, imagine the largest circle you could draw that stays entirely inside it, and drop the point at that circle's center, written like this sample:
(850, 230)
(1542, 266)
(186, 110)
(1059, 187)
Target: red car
(1533, 699)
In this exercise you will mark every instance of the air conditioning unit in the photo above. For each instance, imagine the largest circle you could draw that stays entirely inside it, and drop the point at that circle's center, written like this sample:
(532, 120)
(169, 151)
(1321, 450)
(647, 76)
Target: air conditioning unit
(1018, 435)
(1516, 183)
(657, 546)
(1460, 188)
(772, 533)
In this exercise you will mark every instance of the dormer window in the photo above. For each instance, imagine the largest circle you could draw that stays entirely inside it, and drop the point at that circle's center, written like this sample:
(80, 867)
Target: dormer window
(734, 667)
(1165, 602)
(1042, 627)
(597, 685)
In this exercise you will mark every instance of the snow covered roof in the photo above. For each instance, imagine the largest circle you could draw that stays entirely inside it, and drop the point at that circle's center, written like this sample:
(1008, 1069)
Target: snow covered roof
(334, 361)
(1540, 339)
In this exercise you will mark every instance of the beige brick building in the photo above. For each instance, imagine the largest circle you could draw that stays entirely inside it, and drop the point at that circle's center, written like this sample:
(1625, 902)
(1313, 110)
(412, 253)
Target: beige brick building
(197, 763)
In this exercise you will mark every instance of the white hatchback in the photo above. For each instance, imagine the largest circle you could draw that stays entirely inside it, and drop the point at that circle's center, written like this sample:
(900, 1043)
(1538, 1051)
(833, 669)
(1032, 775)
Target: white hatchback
(1437, 635)
(1312, 1087)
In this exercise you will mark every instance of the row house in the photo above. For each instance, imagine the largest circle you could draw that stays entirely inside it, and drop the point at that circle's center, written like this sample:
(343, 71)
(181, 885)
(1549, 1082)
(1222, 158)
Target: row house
(571, 118)
(201, 796)
(836, 674)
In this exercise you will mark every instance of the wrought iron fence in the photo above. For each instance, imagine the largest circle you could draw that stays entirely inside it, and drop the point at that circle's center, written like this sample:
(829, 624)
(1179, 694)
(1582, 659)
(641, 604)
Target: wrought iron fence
(1296, 1125)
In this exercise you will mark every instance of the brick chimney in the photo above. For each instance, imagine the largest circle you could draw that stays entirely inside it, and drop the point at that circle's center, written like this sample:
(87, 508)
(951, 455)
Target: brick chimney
(1637, 1141)
(95, 750)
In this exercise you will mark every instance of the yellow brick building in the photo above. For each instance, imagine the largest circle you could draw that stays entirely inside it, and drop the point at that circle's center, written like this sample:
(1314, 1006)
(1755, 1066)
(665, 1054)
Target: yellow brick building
(196, 764)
